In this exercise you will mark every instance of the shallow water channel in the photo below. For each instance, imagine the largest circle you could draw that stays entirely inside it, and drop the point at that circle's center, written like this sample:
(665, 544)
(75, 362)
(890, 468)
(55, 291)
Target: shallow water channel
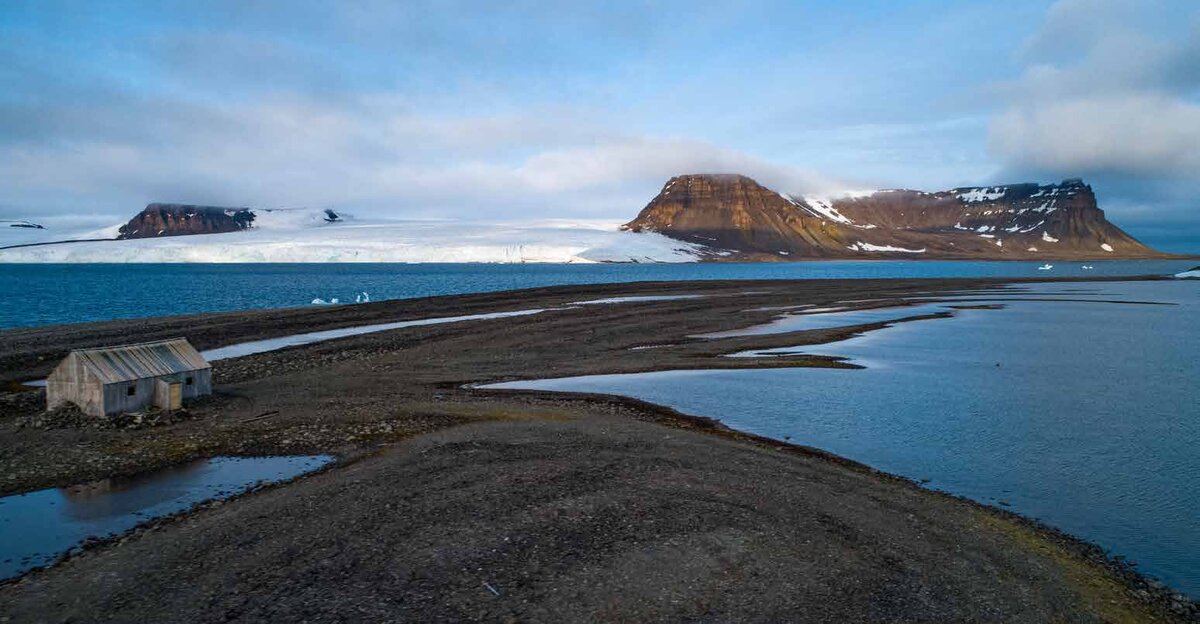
(37, 527)
(1084, 414)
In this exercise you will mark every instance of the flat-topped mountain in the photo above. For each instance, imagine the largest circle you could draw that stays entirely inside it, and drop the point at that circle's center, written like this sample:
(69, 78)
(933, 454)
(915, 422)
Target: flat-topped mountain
(183, 219)
(1017, 221)
(694, 218)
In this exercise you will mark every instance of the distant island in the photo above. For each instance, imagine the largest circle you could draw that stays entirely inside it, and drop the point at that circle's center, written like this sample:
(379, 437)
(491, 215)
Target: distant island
(694, 218)
(1017, 221)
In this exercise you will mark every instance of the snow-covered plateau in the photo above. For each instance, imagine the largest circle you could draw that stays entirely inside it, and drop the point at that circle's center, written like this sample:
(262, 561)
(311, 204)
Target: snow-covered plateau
(294, 239)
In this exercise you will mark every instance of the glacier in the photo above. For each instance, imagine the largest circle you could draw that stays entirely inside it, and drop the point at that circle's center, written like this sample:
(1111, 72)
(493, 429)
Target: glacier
(282, 237)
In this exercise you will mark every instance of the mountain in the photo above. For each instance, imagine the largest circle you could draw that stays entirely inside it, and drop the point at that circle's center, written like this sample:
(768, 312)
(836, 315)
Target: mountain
(309, 235)
(694, 218)
(184, 219)
(1018, 221)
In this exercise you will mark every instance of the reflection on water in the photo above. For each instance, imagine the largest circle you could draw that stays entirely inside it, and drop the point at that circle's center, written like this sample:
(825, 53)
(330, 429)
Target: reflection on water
(1085, 415)
(37, 527)
(820, 319)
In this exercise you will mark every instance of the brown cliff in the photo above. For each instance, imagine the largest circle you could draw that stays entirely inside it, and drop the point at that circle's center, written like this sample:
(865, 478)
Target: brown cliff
(1019, 221)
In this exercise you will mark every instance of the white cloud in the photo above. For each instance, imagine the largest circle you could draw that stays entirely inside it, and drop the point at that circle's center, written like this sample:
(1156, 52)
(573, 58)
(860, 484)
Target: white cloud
(1109, 86)
(1127, 133)
(654, 160)
(371, 154)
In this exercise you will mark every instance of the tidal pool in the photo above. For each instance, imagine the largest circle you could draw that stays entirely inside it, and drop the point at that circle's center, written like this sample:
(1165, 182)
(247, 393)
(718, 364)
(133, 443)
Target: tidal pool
(37, 527)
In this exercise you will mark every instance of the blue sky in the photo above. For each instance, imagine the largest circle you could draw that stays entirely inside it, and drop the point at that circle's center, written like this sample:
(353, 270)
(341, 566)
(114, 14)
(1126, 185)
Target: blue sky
(541, 109)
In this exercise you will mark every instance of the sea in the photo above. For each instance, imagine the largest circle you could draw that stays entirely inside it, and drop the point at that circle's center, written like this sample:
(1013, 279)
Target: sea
(1074, 410)
(54, 294)
(1081, 409)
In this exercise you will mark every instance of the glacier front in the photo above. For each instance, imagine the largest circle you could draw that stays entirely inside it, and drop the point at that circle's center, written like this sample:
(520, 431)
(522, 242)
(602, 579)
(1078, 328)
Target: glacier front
(408, 241)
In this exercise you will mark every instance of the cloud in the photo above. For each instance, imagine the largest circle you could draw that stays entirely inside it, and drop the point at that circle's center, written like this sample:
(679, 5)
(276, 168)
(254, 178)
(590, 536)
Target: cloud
(654, 160)
(1107, 87)
(1130, 133)
(369, 153)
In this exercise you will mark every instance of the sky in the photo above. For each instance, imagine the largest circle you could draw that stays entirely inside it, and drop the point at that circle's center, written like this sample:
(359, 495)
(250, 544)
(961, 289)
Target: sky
(529, 110)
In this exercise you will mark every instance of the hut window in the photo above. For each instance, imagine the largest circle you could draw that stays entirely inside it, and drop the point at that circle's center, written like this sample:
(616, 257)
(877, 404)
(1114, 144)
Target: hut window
(188, 381)
(131, 391)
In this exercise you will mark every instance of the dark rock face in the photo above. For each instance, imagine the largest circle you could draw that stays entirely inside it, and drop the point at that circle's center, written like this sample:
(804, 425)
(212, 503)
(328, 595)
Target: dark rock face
(184, 219)
(1018, 221)
(734, 212)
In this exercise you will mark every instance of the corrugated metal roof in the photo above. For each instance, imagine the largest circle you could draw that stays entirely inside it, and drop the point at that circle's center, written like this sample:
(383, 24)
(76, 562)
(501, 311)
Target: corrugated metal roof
(140, 361)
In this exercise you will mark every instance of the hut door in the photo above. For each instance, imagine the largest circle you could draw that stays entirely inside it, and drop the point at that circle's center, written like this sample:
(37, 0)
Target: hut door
(168, 395)
(176, 396)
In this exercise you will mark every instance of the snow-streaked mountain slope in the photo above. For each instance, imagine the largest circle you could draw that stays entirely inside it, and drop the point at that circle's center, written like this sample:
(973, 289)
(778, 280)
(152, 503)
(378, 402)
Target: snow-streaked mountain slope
(293, 239)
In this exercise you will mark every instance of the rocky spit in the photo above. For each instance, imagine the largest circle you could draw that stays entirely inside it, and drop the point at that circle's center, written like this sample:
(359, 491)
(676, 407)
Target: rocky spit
(456, 503)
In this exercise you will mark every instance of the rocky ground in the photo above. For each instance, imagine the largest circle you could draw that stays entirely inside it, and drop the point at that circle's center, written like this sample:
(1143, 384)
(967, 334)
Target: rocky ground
(453, 503)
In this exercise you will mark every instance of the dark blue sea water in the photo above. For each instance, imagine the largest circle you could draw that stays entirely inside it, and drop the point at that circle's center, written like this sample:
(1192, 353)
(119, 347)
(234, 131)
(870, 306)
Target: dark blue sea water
(50, 294)
(1085, 415)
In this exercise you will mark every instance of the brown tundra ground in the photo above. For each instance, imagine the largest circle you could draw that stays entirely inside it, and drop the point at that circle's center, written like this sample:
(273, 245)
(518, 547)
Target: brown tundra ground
(450, 503)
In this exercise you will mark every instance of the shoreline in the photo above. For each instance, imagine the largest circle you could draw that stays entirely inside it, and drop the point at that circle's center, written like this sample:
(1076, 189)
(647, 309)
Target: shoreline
(752, 259)
(479, 405)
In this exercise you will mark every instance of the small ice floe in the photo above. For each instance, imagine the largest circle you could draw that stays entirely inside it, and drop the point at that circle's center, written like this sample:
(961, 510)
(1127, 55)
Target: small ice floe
(1087, 267)
(362, 297)
(320, 301)
(1189, 274)
(1045, 267)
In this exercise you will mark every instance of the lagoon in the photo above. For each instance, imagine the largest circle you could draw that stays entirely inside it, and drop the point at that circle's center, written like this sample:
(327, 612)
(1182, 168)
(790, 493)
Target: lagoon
(1082, 414)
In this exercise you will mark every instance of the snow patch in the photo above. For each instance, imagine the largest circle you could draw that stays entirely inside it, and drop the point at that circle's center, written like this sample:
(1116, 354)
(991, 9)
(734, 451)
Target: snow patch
(823, 208)
(1106, 247)
(1049, 239)
(983, 194)
(861, 246)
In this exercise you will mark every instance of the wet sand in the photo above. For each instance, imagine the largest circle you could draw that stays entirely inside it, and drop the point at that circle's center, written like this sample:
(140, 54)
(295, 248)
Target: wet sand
(455, 503)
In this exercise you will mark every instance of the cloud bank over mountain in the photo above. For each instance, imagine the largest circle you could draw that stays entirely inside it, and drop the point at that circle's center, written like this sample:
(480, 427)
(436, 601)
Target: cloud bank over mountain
(434, 109)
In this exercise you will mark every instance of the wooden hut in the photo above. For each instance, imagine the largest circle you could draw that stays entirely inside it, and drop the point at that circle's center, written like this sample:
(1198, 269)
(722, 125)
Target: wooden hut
(112, 380)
